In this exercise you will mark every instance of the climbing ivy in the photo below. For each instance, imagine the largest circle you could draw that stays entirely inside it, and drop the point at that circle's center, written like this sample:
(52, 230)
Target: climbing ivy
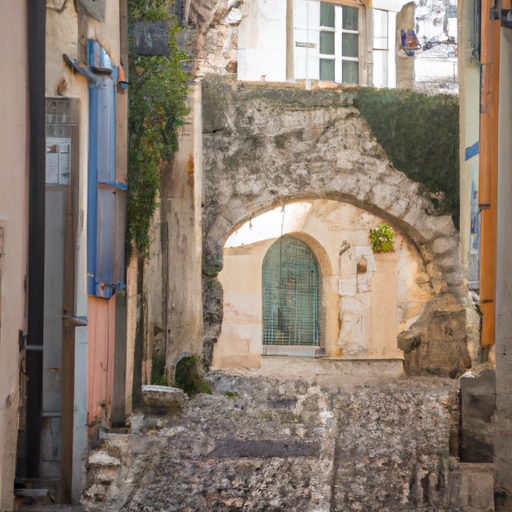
(420, 135)
(157, 107)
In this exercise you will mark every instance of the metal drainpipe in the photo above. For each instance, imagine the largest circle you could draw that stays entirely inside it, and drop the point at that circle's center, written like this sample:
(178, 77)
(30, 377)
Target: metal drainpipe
(36, 25)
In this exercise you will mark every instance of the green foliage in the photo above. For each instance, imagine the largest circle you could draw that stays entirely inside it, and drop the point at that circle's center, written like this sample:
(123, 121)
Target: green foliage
(381, 238)
(232, 394)
(149, 10)
(420, 135)
(268, 416)
(189, 377)
(157, 106)
(158, 371)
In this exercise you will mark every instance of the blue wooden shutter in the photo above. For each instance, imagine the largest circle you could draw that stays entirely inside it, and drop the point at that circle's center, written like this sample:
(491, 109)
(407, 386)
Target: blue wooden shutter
(107, 199)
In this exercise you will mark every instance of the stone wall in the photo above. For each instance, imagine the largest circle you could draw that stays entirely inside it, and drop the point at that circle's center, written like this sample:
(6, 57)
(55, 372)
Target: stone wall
(172, 280)
(268, 145)
(212, 37)
(261, 443)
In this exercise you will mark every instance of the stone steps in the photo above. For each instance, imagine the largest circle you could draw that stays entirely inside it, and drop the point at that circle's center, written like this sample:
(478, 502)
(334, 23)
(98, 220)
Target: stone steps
(110, 466)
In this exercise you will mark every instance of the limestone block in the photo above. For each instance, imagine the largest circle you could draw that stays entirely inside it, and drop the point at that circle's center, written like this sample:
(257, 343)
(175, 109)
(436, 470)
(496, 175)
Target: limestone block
(102, 458)
(352, 334)
(473, 487)
(347, 286)
(356, 305)
(443, 245)
(364, 283)
(161, 400)
(234, 17)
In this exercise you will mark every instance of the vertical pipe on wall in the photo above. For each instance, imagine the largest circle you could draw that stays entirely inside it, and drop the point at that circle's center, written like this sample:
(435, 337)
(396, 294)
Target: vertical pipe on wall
(36, 25)
(488, 169)
(503, 418)
(290, 71)
(118, 412)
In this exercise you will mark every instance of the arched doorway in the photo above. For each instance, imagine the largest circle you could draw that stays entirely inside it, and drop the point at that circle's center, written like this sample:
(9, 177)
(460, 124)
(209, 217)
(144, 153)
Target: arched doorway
(291, 294)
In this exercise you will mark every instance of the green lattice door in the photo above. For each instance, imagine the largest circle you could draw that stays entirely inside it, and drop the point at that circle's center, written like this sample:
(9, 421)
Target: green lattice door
(290, 294)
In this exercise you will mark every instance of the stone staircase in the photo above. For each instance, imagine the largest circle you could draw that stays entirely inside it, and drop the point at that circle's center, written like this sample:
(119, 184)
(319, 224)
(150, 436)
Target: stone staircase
(108, 467)
(122, 451)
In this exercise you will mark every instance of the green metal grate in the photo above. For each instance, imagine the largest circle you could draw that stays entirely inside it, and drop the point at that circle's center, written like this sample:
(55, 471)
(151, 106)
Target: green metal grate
(290, 294)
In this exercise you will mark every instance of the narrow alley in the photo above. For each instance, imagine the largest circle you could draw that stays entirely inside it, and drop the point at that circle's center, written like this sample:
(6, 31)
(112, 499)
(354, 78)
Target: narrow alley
(255, 255)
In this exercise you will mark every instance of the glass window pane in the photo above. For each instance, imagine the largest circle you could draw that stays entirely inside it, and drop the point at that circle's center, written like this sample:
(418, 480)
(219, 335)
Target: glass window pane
(327, 43)
(350, 71)
(326, 14)
(327, 70)
(349, 15)
(349, 45)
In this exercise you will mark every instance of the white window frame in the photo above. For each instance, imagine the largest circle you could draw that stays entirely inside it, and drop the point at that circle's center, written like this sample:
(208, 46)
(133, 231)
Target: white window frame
(383, 51)
(338, 31)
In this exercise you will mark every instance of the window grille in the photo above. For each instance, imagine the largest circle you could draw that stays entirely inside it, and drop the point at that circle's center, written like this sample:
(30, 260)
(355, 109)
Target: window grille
(291, 290)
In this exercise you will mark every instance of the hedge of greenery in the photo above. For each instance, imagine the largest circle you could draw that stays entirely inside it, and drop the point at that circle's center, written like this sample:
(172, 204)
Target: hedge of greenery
(157, 106)
(420, 135)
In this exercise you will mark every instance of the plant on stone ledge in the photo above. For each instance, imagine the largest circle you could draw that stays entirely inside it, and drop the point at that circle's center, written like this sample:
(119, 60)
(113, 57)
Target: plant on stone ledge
(381, 238)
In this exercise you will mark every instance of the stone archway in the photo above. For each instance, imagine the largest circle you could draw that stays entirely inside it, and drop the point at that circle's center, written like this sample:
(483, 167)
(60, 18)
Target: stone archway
(265, 146)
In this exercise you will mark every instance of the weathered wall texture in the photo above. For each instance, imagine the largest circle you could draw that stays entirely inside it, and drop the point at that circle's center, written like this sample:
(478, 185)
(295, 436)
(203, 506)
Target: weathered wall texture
(172, 283)
(213, 34)
(361, 312)
(404, 64)
(13, 230)
(268, 146)
(263, 443)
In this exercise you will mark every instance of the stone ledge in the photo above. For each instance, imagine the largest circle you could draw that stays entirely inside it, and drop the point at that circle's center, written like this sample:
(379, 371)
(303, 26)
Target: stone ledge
(162, 400)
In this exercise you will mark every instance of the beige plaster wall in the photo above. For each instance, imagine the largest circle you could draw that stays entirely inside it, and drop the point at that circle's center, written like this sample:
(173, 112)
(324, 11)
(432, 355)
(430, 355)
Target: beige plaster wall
(240, 342)
(181, 211)
(14, 225)
(361, 314)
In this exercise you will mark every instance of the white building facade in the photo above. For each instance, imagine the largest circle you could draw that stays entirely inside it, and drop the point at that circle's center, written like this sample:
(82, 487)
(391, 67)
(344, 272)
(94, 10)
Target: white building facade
(331, 41)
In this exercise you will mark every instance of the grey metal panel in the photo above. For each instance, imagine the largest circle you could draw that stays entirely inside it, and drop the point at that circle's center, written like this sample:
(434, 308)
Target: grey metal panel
(120, 236)
(106, 234)
(53, 297)
(50, 443)
(79, 479)
(105, 132)
(152, 38)
(118, 410)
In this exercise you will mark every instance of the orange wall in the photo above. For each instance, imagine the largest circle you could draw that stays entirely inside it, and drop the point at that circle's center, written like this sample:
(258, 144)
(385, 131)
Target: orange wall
(100, 357)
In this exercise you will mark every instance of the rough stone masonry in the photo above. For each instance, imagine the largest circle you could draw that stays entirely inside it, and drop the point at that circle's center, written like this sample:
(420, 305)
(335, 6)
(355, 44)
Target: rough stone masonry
(268, 145)
(260, 443)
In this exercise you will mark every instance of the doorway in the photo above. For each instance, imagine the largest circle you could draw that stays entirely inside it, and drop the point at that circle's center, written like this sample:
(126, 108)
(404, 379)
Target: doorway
(291, 293)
